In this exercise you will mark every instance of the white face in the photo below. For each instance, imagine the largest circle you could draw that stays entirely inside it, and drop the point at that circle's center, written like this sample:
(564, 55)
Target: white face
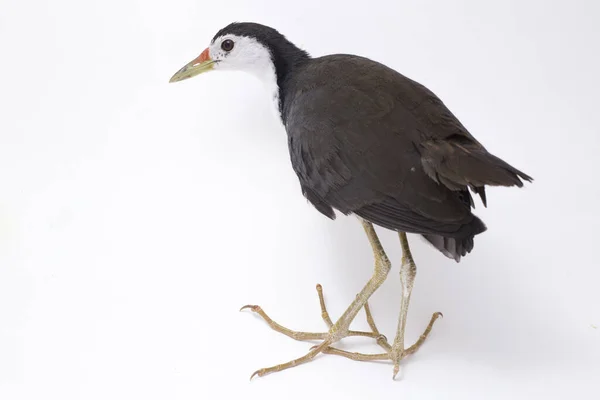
(249, 55)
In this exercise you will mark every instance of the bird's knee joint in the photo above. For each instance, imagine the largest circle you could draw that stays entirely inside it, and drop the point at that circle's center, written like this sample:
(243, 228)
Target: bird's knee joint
(382, 266)
(408, 271)
(408, 267)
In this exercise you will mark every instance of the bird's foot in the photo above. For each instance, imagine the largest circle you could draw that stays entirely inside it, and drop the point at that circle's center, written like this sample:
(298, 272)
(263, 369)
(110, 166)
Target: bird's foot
(334, 334)
(393, 353)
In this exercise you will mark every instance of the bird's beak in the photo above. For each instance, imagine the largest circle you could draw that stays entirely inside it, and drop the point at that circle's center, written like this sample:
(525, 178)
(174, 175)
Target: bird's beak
(202, 63)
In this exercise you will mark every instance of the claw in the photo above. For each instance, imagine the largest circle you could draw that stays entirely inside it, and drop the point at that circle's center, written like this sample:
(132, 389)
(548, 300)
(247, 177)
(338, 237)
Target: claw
(251, 307)
(257, 372)
(396, 370)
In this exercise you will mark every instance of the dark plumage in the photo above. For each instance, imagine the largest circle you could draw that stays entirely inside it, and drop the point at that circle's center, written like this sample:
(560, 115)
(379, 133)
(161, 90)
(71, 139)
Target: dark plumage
(366, 140)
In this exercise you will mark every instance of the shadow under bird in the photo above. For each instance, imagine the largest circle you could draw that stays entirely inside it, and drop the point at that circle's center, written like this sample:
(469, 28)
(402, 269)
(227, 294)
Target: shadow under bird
(365, 140)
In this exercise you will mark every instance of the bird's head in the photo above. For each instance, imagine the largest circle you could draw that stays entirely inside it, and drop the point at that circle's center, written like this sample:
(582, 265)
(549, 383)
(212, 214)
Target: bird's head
(248, 47)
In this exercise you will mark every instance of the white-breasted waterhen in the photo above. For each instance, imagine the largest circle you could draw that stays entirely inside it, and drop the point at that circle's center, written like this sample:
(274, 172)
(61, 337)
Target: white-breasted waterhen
(368, 141)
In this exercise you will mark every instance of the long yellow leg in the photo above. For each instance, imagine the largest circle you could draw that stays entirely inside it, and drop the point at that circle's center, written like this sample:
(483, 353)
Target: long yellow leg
(396, 352)
(340, 329)
(408, 271)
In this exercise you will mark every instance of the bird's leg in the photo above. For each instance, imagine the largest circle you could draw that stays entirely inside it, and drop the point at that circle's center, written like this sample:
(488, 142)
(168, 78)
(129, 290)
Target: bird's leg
(340, 329)
(397, 351)
(408, 271)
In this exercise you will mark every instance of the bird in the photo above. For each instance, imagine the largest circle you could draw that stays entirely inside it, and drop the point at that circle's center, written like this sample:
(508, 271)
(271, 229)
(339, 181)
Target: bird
(366, 141)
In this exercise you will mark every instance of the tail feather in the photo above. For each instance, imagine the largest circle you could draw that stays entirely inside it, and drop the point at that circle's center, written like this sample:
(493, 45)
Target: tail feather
(459, 245)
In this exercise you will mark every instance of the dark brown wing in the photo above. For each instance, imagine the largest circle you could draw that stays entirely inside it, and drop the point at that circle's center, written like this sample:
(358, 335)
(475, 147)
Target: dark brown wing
(363, 139)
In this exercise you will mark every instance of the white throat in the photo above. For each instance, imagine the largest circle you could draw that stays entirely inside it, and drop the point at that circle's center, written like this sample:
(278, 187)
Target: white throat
(268, 77)
(250, 56)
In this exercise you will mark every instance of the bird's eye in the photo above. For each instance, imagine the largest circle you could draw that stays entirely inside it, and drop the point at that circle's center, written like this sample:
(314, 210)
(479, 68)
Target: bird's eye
(227, 45)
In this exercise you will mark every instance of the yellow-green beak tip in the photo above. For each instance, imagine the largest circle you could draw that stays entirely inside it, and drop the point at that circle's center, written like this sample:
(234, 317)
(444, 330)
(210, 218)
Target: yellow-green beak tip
(192, 69)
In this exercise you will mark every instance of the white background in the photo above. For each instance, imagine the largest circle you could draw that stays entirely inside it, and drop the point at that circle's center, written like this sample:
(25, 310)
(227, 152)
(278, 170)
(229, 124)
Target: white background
(136, 217)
